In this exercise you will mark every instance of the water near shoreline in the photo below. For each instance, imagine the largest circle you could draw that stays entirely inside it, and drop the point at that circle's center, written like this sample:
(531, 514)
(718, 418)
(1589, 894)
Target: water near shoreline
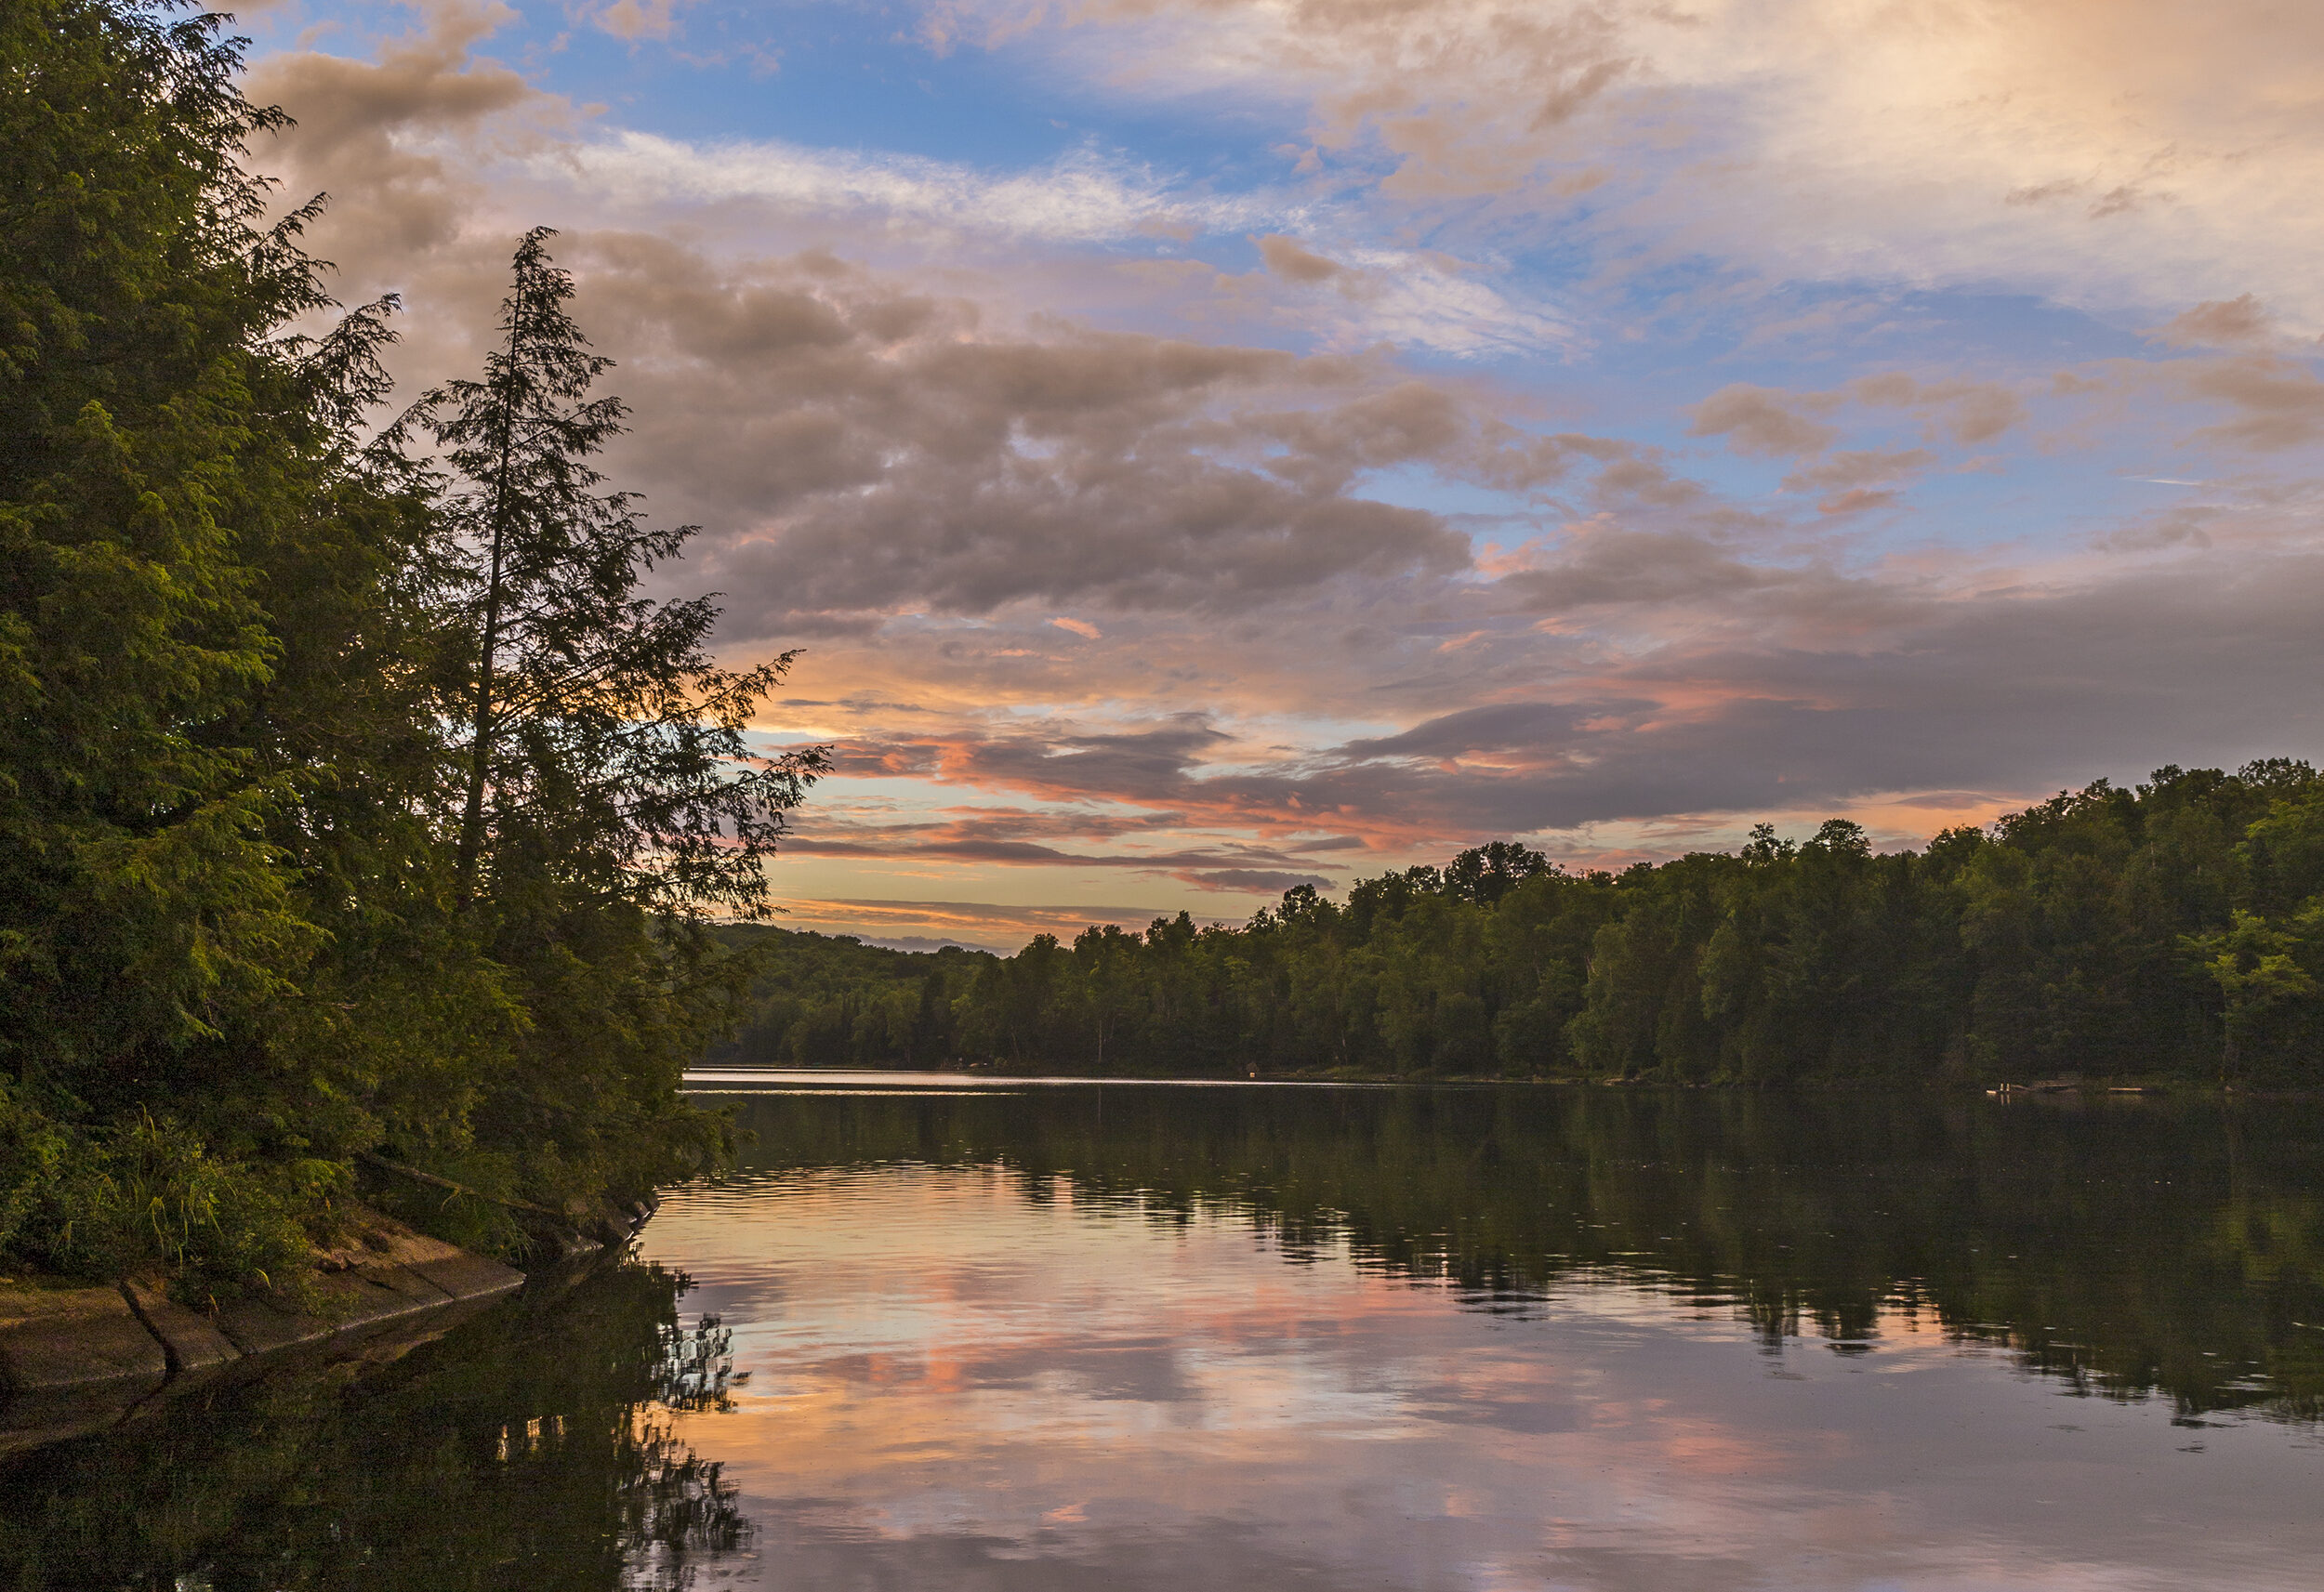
(1128, 1336)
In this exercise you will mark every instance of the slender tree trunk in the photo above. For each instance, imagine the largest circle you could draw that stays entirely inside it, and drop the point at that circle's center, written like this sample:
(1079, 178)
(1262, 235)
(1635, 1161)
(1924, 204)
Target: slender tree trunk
(480, 725)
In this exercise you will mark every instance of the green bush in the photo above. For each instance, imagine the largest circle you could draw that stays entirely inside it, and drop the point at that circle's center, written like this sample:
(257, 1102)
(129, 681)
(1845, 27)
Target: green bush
(149, 1198)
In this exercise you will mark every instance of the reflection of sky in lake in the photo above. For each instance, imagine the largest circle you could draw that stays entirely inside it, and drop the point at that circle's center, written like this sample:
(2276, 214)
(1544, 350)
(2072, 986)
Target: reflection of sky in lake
(958, 1385)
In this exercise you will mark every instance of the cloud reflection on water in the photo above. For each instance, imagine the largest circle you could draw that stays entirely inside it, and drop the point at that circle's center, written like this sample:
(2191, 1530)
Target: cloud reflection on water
(965, 1380)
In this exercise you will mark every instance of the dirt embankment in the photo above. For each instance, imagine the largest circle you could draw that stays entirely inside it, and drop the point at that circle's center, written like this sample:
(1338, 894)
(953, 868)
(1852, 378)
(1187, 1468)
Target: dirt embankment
(76, 1358)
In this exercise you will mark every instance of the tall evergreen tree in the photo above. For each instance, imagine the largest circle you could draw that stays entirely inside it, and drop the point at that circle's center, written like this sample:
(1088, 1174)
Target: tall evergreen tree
(174, 468)
(610, 804)
(603, 742)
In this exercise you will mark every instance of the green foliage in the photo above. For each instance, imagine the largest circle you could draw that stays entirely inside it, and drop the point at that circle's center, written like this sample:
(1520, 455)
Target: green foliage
(2175, 930)
(153, 1198)
(832, 1001)
(149, 1197)
(2266, 974)
(1473, 970)
(344, 805)
(135, 291)
(35, 1152)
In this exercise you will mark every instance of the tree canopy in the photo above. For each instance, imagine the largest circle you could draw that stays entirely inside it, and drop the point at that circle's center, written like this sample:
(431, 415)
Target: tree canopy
(2170, 931)
(354, 802)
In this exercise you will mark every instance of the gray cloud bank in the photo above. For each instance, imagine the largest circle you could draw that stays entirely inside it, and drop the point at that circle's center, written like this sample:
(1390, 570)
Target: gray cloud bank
(926, 479)
(2195, 660)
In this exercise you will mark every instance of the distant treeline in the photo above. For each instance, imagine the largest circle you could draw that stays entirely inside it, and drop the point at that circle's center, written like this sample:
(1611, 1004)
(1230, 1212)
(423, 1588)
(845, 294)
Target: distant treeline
(824, 1000)
(2173, 930)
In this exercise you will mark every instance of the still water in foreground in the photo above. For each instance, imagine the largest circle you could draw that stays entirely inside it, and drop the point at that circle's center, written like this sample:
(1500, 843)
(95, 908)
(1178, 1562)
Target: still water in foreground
(1129, 1337)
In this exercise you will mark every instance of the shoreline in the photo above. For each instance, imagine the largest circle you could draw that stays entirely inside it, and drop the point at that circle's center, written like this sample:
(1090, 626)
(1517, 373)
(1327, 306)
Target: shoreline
(724, 1080)
(78, 1357)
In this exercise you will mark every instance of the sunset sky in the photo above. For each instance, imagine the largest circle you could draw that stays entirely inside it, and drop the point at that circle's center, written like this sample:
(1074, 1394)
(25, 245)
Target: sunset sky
(1204, 446)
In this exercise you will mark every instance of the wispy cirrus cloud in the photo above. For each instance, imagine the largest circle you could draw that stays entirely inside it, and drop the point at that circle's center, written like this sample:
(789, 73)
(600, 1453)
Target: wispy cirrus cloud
(1085, 196)
(433, 131)
(2111, 152)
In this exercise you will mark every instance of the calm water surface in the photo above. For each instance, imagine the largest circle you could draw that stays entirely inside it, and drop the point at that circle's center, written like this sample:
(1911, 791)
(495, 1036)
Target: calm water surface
(1129, 1337)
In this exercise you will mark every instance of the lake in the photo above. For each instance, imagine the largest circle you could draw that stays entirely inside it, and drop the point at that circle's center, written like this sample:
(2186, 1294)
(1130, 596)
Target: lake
(985, 1335)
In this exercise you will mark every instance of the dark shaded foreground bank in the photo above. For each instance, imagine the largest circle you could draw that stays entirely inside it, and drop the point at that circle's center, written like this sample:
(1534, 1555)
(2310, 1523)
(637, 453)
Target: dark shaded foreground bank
(529, 1447)
(2129, 1246)
(81, 1355)
(77, 1359)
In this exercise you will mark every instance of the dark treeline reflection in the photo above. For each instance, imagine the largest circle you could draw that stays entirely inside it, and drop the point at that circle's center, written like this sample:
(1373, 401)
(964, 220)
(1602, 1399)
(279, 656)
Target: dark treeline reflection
(2131, 1248)
(532, 1449)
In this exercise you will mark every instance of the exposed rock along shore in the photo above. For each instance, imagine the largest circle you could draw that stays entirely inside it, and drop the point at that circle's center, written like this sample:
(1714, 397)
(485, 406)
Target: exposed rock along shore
(75, 1360)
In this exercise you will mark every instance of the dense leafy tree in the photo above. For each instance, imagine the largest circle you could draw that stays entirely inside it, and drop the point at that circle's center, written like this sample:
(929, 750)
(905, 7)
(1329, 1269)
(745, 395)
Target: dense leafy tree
(260, 912)
(2175, 930)
(833, 1001)
(142, 905)
(160, 435)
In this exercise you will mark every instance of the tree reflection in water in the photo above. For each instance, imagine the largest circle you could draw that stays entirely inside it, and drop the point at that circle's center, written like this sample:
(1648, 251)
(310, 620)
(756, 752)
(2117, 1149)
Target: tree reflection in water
(2132, 1250)
(679, 1507)
(532, 1448)
(2131, 1246)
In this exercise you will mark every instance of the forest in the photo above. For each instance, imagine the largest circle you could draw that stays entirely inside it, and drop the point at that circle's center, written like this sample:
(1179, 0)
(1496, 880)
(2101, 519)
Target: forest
(821, 1000)
(2169, 932)
(357, 811)
(360, 814)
